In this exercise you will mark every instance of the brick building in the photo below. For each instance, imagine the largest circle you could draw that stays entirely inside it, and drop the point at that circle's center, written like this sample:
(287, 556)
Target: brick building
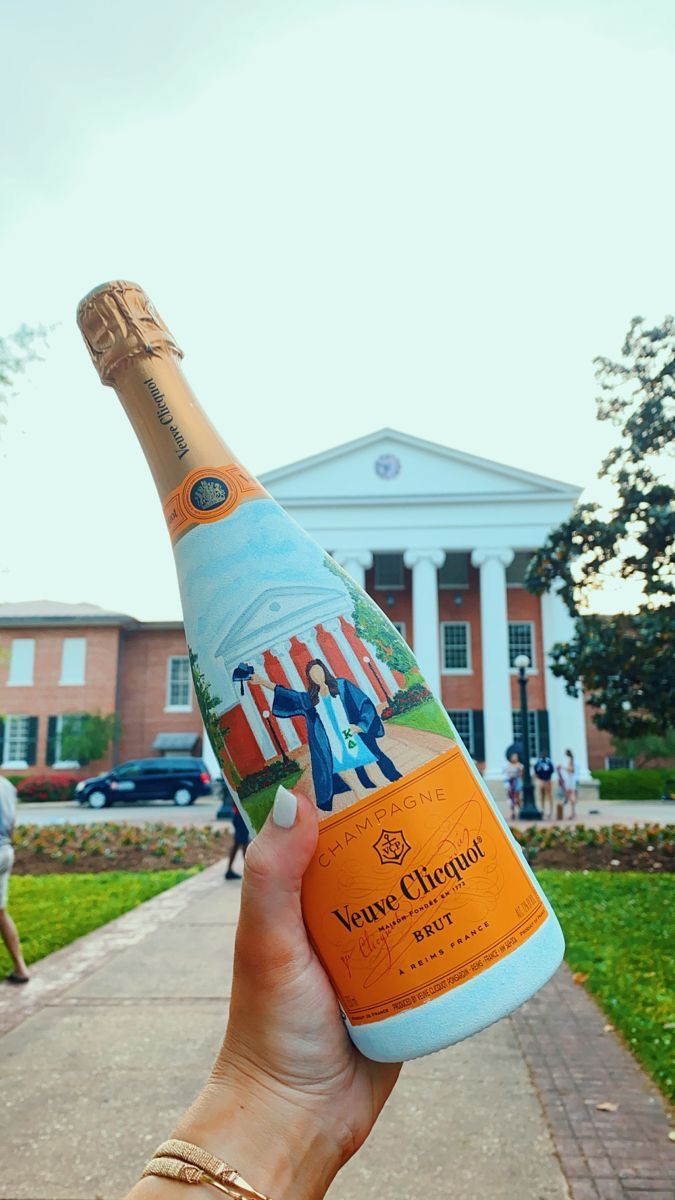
(58, 659)
(440, 539)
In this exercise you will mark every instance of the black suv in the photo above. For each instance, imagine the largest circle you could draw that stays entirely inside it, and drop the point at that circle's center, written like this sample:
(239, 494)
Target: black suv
(143, 779)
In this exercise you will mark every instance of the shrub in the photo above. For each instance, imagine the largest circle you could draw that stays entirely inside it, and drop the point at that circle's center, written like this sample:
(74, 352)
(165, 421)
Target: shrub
(47, 787)
(403, 701)
(626, 784)
(273, 773)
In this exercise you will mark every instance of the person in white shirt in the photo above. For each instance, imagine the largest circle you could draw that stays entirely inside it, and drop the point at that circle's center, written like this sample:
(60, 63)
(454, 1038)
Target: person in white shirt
(567, 773)
(8, 930)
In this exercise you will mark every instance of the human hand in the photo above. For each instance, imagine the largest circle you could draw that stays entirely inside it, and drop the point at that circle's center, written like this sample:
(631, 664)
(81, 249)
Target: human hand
(355, 729)
(261, 680)
(290, 1098)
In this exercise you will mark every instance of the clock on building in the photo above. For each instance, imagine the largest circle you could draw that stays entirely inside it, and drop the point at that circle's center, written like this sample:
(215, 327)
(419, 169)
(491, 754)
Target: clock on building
(387, 466)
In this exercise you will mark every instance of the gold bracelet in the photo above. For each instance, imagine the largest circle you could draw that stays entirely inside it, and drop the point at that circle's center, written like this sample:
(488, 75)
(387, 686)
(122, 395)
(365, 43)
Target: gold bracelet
(190, 1164)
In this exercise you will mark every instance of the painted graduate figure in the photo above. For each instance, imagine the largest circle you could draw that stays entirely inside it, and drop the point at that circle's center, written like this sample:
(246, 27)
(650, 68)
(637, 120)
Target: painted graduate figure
(343, 727)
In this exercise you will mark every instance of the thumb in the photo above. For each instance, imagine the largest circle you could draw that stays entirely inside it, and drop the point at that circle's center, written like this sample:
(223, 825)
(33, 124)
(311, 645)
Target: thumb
(271, 931)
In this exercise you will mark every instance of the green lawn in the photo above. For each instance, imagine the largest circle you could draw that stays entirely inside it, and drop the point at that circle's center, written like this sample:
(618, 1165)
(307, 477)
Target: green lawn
(52, 910)
(428, 715)
(259, 804)
(620, 930)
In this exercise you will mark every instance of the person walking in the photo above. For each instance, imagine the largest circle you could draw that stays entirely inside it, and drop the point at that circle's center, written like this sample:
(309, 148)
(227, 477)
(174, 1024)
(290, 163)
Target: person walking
(567, 773)
(8, 930)
(544, 769)
(241, 840)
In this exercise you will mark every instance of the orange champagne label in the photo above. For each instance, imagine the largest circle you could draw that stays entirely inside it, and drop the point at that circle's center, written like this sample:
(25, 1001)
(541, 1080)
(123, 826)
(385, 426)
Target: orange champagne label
(207, 495)
(416, 890)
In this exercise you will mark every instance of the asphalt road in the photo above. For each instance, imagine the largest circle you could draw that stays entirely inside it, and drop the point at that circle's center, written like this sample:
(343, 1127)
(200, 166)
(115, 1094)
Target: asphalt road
(203, 812)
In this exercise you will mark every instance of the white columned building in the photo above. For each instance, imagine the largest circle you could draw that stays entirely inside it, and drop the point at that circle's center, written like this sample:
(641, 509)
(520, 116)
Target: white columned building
(440, 539)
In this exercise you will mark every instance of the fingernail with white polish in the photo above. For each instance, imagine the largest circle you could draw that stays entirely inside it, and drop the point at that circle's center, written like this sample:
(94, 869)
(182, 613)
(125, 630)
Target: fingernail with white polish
(285, 808)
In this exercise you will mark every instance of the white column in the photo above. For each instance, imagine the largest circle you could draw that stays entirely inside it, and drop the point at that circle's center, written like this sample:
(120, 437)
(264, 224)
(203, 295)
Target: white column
(566, 714)
(426, 631)
(282, 651)
(258, 727)
(287, 729)
(351, 658)
(494, 631)
(355, 563)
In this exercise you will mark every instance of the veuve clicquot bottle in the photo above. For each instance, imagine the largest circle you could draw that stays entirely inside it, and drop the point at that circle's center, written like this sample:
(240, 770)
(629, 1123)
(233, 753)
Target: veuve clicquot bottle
(418, 901)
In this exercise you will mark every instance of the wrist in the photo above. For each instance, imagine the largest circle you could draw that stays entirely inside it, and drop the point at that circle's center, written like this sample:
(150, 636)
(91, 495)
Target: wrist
(273, 1141)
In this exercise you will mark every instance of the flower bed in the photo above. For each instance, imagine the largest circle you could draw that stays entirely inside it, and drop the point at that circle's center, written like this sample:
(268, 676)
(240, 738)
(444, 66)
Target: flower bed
(105, 846)
(403, 701)
(610, 847)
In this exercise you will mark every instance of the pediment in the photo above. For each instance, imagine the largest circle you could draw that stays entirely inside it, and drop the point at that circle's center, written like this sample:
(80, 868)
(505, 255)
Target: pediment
(390, 465)
(277, 615)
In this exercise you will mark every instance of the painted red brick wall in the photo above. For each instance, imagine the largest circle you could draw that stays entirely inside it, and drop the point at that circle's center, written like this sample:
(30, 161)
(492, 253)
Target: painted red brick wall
(143, 693)
(47, 697)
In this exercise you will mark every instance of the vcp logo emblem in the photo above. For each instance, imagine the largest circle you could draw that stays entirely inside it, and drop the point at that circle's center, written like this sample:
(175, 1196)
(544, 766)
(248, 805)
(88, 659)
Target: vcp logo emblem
(391, 846)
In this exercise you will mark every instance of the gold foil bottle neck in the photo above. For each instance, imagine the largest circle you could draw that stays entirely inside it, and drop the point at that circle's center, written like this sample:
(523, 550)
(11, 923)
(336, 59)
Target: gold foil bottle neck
(119, 323)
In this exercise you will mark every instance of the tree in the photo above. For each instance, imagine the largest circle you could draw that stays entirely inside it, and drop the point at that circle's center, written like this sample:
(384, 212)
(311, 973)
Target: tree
(17, 351)
(647, 749)
(624, 663)
(85, 737)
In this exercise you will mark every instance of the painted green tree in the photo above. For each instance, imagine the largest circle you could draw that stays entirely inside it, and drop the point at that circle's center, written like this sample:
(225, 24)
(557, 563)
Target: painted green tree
(209, 705)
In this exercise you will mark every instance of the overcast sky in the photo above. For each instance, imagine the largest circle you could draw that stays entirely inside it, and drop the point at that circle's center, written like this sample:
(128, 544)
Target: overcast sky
(428, 215)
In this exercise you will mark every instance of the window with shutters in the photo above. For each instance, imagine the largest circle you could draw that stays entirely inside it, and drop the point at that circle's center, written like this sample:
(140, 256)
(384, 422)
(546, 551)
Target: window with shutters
(178, 695)
(18, 743)
(73, 661)
(389, 572)
(22, 660)
(521, 641)
(456, 647)
(400, 625)
(462, 719)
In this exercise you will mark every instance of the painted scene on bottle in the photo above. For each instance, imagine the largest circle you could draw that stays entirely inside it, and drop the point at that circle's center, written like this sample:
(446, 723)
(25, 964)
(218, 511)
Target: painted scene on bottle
(300, 677)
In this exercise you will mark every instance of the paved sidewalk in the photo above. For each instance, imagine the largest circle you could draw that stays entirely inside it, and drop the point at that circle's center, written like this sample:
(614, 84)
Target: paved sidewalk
(123, 1025)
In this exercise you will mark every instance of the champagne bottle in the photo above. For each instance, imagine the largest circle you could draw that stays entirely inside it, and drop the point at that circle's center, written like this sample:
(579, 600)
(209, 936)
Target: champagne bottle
(418, 901)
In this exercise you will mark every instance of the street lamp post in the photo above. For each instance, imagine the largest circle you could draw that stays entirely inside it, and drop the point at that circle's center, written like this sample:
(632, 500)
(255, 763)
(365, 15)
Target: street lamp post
(376, 675)
(275, 739)
(528, 809)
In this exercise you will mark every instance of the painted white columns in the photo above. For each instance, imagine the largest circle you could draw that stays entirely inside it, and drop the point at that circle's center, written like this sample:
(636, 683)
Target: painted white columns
(351, 658)
(355, 563)
(497, 718)
(282, 651)
(566, 714)
(426, 633)
(258, 727)
(284, 724)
